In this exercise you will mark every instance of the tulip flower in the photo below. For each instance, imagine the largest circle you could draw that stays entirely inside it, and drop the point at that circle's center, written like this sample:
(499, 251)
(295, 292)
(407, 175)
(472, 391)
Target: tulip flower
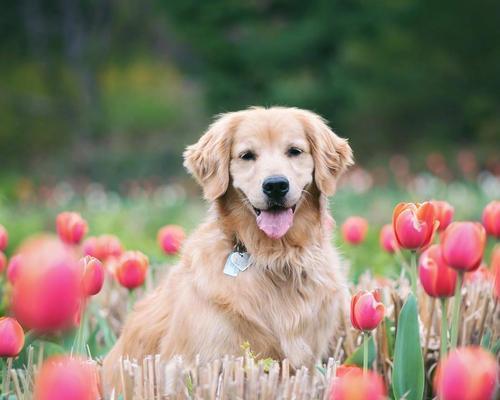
(71, 227)
(13, 268)
(491, 218)
(3, 261)
(444, 213)
(437, 278)
(103, 247)
(47, 291)
(387, 239)
(354, 230)
(63, 378)
(352, 383)
(366, 310)
(11, 337)
(170, 238)
(131, 269)
(468, 373)
(4, 238)
(93, 275)
(463, 245)
(413, 224)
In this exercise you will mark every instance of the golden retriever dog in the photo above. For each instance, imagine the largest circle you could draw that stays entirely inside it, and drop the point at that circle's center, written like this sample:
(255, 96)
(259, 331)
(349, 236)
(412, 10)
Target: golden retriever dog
(261, 268)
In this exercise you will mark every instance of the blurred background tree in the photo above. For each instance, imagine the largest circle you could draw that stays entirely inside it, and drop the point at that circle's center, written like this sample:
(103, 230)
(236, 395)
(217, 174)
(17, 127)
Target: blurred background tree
(108, 90)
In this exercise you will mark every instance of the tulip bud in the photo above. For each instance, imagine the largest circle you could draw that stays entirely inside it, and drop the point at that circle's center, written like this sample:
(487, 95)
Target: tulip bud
(444, 213)
(93, 275)
(131, 269)
(467, 373)
(350, 383)
(413, 224)
(388, 240)
(71, 227)
(3, 261)
(170, 238)
(11, 337)
(491, 218)
(103, 247)
(4, 238)
(13, 268)
(463, 245)
(437, 278)
(354, 230)
(366, 310)
(63, 377)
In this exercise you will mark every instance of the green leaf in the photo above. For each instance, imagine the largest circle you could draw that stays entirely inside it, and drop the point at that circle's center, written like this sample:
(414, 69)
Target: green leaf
(356, 358)
(390, 334)
(486, 339)
(408, 378)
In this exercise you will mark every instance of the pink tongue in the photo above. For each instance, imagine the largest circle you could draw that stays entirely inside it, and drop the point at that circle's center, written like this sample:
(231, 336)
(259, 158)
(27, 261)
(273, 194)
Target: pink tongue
(275, 224)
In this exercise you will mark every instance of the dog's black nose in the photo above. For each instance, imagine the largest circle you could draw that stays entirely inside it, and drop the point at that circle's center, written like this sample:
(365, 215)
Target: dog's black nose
(275, 187)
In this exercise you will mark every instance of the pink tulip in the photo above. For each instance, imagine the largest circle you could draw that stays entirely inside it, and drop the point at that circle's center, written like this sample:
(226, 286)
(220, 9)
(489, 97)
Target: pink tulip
(414, 224)
(103, 247)
(463, 245)
(467, 373)
(93, 275)
(350, 383)
(491, 218)
(13, 268)
(170, 238)
(64, 378)
(71, 227)
(11, 337)
(3, 261)
(387, 239)
(4, 238)
(354, 230)
(366, 310)
(437, 278)
(131, 269)
(444, 213)
(47, 292)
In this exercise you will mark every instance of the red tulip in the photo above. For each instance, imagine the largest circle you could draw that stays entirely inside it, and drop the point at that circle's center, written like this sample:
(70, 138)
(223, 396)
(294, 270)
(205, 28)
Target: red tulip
(71, 227)
(3, 261)
(463, 245)
(467, 373)
(170, 238)
(103, 247)
(13, 268)
(354, 230)
(413, 224)
(444, 213)
(93, 275)
(366, 310)
(131, 269)
(11, 337)
(63, 378)
(387, 239)
(351, 384)
(47, 292)
(438, 280)
(4, 238)
(491, 218)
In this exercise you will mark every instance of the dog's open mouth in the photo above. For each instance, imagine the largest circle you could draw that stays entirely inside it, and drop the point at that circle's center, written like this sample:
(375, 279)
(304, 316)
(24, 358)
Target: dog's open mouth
(275, 221)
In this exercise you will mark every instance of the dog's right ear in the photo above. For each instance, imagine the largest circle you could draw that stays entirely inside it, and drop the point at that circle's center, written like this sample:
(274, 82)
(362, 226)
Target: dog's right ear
(208, 159)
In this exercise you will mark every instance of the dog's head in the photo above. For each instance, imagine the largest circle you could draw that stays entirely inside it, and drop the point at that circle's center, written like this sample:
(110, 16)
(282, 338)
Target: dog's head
(270, 156)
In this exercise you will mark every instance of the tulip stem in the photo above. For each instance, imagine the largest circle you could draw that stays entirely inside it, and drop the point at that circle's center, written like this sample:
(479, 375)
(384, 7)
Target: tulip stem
(413, 272)
(444, 328)
(366, 337)
(457, 301)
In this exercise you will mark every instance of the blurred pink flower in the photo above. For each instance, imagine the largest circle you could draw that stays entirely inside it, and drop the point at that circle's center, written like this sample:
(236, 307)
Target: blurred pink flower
(387, 239)
(444, 213)
(350, 383)
(13, 268)
(463, 245)
(11, 337)
(71, 227)
(4, 238)
(354, 230)
(170, 238)
(3, 261)
(437, 278)
(93, 275)
(131, 269)
(103, 247)
(491, 218)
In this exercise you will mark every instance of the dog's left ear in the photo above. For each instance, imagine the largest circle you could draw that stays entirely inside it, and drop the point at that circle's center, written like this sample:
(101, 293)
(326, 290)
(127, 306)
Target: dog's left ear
(331, 153)
(208, 159)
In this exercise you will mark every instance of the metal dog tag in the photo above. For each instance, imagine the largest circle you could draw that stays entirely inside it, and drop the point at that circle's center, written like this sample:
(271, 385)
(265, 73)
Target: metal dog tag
(235, 263)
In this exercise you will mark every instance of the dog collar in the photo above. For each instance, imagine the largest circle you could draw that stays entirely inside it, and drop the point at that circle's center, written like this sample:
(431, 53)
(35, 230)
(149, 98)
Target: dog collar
(237, 261)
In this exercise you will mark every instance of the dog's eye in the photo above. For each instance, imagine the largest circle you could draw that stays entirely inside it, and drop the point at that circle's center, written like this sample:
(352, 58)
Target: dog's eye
(248, 155)
(294, 152)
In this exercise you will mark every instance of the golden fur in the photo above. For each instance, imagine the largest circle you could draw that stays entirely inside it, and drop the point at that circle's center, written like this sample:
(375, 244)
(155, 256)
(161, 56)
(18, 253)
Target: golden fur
(290, 300)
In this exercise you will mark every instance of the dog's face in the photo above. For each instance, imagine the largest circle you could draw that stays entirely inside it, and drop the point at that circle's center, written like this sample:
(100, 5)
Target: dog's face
(270, 156)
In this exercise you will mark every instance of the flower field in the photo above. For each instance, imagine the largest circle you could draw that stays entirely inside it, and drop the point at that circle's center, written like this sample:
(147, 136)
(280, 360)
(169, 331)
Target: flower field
(423, 262)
